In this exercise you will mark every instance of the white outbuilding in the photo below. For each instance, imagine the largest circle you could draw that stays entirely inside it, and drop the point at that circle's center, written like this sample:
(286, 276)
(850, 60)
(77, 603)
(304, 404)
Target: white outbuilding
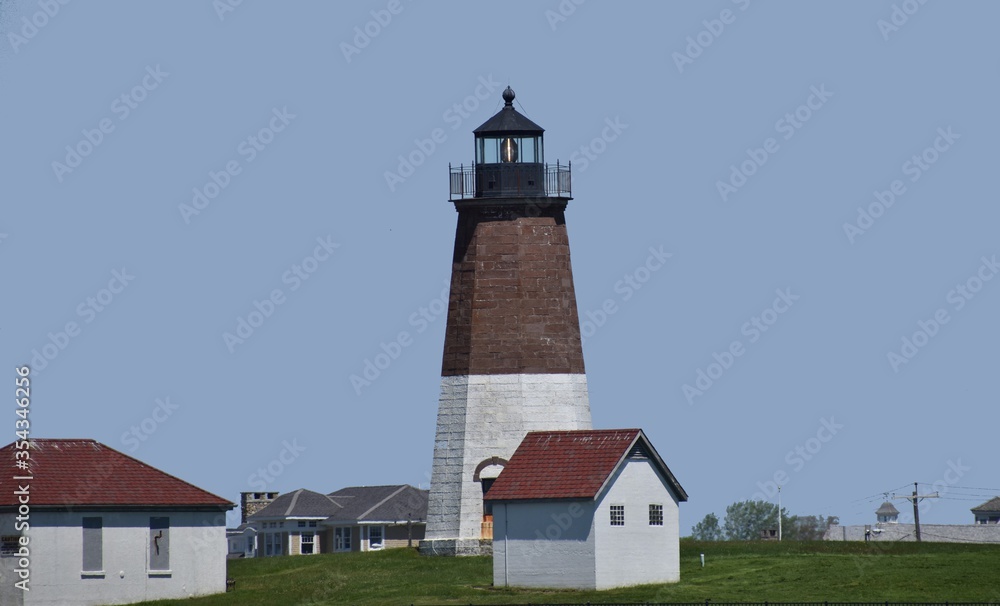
(589, 509)
(83, 524)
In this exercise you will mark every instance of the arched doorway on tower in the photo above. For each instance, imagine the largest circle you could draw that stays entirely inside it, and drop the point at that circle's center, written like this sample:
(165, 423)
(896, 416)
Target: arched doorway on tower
(486, 473)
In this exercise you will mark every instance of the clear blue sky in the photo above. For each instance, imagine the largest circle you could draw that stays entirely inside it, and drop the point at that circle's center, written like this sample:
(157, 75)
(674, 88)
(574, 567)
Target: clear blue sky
(736, 139)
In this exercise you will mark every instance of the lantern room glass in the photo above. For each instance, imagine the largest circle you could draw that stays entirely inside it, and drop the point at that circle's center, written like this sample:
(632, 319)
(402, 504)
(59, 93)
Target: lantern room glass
(509, 149)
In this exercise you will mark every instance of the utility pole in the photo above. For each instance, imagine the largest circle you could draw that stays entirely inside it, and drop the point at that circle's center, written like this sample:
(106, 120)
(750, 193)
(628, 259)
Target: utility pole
(916, 510)
(779, 513)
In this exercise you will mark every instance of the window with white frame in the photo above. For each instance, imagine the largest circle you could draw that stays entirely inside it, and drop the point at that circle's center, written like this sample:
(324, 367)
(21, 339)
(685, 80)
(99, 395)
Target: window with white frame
(312, 524)
(342, 538)
(302, 523)
(655, 514)
(617, 515)
(308, 540)
(375, 537)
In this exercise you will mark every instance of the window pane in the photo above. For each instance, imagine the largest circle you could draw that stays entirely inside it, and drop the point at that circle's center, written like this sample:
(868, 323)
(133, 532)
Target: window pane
(655, 515)
(617, 515)
(342, 539)
(375, 537)
(93, 547)
(491, 151)
(527, 145)
(9, 545)
(159, 543)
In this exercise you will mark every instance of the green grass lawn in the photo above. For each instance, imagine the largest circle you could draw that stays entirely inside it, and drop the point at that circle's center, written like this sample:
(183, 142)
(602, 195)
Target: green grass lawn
(734, 571)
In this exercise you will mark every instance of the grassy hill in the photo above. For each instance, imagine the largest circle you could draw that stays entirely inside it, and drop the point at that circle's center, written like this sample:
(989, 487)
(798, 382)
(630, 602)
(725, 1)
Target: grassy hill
(734, 572)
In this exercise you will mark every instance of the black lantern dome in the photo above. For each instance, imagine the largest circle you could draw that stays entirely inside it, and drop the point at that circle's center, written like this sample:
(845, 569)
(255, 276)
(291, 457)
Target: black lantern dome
(509, 137)
(510, 160)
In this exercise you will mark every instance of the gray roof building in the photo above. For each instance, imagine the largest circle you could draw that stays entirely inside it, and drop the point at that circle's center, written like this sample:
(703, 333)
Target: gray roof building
(358, 518)
(988, 512)
(370, 504)
(887, 513)
(299, 503)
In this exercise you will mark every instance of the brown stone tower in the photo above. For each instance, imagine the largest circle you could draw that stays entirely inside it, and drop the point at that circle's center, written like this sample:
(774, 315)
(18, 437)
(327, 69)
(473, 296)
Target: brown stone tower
(513, 359)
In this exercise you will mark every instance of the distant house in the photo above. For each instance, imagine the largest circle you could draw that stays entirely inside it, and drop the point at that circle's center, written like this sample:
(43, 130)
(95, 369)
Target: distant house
(359, 518)
(100, 527)
(988, 512)
(289, 525)
(242, 541)
(377, 517)
(887, 514)
(590, 509)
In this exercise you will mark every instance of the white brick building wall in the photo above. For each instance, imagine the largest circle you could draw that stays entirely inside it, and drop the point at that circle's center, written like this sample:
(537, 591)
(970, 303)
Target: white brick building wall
(197, 559)
(637, 553)
(485, 416)
(572, 544)
(931, 533)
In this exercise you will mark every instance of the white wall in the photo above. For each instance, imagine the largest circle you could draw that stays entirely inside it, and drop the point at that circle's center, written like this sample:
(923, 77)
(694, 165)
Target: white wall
(930, 533)
(544, 544)
(197, 559)
(482, 416)
(637, 553)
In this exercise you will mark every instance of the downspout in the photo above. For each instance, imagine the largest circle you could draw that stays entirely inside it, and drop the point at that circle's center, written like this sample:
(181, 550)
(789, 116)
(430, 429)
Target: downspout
(506, 583)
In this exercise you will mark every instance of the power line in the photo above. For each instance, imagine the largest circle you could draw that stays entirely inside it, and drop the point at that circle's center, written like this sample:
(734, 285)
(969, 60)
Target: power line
(997, 490)
(880, 494)
(962, 498)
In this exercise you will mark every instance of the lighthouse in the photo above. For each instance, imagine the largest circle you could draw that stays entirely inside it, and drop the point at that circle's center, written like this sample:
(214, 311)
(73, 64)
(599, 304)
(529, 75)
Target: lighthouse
(513, 358)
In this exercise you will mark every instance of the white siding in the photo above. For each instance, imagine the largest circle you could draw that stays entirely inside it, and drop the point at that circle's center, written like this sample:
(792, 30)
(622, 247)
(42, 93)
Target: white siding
(637, 553)
(482, 416)
(197, 559)
(544, 544)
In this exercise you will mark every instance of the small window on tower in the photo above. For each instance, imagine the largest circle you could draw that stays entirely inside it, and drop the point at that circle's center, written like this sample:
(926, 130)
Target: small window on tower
(617, 515)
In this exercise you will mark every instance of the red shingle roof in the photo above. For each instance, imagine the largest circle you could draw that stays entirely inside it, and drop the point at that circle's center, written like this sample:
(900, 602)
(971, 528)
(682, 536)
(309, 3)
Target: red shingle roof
(75, 473)
(571, 464)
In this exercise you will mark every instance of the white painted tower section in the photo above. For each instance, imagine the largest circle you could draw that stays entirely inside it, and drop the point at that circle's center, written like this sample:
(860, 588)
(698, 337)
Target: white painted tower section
(485, 416)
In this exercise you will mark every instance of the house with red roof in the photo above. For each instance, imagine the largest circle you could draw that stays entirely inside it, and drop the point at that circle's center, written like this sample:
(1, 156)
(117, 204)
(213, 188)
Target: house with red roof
(585, 509)
(83, 524)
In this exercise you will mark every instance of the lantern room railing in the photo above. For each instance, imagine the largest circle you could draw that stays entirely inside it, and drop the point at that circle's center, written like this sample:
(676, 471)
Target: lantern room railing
(513, 180)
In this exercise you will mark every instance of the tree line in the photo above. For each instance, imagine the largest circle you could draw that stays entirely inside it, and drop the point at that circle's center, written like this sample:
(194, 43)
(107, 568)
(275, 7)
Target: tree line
(745, 520)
